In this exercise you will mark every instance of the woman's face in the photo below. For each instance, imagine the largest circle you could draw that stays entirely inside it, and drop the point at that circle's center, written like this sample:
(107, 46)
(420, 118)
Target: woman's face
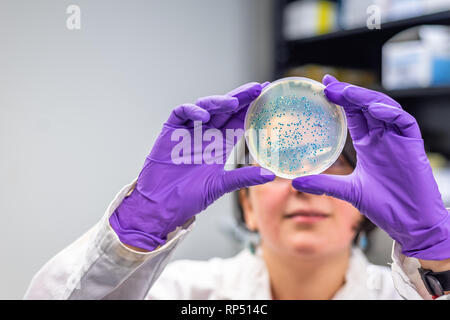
(300, 223)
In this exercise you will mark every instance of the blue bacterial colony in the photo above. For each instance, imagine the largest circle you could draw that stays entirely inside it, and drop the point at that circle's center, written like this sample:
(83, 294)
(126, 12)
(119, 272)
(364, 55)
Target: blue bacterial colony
(296, 133)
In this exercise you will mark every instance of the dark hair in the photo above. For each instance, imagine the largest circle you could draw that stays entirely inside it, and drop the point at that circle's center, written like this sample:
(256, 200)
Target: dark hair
(366, 226)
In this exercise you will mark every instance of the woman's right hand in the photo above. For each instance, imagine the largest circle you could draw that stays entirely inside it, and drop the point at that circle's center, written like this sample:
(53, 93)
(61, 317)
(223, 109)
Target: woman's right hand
(172, 188)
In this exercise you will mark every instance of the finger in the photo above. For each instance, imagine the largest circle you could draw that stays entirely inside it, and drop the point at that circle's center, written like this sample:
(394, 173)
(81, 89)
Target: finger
(218, 104)
(403, 121)
(373, 125)
(364, 97)
(328, 79)
(220, 108)
(245, 177)
(335, 92)
(331, 185)
(235, 122)
(265, 84)
(246, 93)
(356, 122)
(185, 112)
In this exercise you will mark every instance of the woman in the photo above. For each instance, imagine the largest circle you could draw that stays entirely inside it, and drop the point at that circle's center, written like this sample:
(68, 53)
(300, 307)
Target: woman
(306, 226)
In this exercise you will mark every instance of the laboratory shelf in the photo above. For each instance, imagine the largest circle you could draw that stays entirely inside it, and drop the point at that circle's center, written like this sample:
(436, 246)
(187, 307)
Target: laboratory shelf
(433, 92)
(356, 48)
(387, 29)
(361, 48)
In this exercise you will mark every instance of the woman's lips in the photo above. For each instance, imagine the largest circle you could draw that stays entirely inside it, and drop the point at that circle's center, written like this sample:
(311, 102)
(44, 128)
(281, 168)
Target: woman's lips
(307, 216)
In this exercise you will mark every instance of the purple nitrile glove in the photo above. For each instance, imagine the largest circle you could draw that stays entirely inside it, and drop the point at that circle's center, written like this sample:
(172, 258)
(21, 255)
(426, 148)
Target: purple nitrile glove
(392, 184)
(177, 183)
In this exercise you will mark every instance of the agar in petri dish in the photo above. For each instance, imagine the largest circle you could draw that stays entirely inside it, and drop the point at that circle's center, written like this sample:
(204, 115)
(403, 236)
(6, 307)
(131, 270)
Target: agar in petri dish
(293, 130)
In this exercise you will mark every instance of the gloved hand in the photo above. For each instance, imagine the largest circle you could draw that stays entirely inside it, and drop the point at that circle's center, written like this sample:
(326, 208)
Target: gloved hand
(168, 194)
(392, 183)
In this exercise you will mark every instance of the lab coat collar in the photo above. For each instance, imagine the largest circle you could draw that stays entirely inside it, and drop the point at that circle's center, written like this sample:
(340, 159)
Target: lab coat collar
(253, 279)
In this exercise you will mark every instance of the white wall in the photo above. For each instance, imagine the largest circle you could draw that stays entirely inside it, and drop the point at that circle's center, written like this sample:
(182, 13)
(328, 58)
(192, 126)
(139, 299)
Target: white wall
(79, 110)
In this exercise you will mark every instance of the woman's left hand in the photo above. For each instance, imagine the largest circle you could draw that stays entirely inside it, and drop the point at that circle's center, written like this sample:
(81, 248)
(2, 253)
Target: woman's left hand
(392, 184)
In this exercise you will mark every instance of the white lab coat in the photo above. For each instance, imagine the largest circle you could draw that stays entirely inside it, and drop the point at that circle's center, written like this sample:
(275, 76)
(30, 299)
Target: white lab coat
(99, 266)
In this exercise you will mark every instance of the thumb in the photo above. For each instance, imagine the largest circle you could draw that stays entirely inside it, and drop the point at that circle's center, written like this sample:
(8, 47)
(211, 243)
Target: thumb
(332, 185)
(245, 177)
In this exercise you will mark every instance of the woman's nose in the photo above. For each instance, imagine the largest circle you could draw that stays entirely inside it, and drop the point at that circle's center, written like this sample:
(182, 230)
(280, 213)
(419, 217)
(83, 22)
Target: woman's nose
(301, 194)
(287, 183)
(295, 191)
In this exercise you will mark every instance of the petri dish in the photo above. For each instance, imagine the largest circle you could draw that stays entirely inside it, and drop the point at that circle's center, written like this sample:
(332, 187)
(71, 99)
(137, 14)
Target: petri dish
(293, 130)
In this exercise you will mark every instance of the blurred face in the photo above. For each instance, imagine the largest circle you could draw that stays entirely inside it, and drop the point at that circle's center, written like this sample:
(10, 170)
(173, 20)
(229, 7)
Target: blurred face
(300, 223)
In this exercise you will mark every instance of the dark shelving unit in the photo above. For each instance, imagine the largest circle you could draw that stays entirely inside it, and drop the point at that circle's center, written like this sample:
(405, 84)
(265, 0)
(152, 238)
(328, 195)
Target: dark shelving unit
(361, 48)
(418, 92)
(387, 30)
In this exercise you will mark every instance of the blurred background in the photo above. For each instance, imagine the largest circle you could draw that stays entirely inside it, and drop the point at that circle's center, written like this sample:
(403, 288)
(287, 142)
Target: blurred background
(81, 107)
